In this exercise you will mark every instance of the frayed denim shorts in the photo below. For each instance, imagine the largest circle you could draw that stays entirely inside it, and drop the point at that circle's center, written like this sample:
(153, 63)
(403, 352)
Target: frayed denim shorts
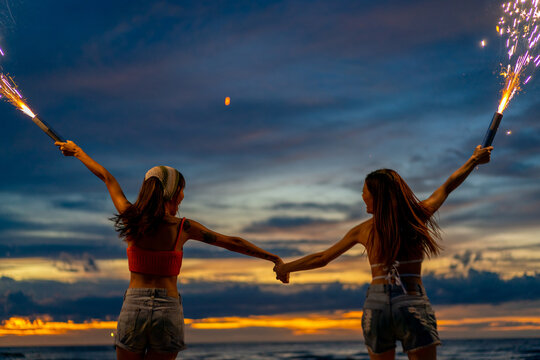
(390, 314)
(150, 320)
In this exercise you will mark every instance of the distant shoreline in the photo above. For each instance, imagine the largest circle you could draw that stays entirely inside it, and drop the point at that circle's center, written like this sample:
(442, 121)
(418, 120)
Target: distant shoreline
(217, 344)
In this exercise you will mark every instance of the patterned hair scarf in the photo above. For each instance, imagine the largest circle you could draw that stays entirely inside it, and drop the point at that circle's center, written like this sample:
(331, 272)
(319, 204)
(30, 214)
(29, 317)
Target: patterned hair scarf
(169, 178)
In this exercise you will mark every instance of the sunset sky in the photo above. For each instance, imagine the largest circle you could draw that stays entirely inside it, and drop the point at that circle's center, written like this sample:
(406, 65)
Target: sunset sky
(321, 93)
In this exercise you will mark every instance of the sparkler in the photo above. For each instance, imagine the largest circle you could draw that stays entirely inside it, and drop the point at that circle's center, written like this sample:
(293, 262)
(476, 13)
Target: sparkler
(521, 25)
(9, 92)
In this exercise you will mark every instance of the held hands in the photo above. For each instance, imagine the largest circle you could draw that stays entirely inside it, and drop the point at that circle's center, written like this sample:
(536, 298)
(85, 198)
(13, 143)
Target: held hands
(281, 274)
(68, 148)
(482, 155)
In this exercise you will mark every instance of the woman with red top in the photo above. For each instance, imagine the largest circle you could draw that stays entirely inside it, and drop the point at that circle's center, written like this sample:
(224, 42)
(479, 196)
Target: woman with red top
(401, 233)
(151, 323)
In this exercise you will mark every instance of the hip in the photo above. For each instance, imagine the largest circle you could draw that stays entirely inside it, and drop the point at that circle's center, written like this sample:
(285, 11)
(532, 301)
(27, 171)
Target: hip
(383, 295)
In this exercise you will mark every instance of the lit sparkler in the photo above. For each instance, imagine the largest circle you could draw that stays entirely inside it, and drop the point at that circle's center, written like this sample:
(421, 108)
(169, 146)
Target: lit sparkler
(520, 24)
(10, 93)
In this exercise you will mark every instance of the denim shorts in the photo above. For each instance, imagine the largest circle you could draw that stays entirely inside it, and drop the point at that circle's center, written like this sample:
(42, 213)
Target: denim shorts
(150, 320)
(390, 314)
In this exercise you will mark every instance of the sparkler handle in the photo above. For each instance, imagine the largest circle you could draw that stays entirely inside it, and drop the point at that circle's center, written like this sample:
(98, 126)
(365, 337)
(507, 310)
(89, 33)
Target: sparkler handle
(490, 134)
(47, 129)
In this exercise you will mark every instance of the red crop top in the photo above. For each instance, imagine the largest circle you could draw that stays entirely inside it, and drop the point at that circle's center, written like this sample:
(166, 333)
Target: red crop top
(152, 262)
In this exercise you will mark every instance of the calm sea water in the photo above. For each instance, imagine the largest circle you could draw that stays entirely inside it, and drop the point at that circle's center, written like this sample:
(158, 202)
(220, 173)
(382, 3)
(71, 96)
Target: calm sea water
(511, 349)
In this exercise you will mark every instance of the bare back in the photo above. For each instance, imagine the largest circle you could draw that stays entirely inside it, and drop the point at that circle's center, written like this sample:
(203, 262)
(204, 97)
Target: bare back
(378, 264)
(162, 240)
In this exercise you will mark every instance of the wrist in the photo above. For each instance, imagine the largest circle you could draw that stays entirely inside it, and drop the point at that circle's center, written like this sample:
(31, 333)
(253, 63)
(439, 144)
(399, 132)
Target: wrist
(79, 153)
(474, 160)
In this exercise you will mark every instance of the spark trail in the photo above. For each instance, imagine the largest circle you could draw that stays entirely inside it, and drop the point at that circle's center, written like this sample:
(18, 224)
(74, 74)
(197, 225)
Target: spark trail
(10, 93)
(520, 24)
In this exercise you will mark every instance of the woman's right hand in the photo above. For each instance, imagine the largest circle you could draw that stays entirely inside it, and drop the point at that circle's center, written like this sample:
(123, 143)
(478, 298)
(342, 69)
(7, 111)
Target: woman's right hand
(482, 154)
(68, 148)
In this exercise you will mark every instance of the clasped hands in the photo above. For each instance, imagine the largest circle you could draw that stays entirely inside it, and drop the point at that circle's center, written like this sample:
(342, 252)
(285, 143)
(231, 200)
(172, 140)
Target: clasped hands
(281, 274)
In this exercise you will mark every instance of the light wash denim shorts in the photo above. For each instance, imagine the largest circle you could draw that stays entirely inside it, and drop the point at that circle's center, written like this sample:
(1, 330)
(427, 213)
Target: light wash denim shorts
(150, 320)
(390, 315)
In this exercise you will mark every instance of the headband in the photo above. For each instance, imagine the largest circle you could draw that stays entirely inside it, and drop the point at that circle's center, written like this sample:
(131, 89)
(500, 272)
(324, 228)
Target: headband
(169, 178)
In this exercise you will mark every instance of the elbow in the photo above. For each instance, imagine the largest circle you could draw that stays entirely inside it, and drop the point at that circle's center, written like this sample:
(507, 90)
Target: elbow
(322, 260)
(107, 178)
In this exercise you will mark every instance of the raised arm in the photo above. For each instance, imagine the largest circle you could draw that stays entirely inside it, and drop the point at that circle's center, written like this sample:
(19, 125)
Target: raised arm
(357, 235)
(118, 198)
(480, 156)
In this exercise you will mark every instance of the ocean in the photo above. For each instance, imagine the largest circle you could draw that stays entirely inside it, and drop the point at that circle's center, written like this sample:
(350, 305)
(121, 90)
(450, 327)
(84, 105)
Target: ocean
(484, 349)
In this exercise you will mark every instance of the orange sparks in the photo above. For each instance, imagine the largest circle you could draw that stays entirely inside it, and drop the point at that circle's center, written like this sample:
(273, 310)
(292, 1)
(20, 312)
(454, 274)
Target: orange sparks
(8, 90)
(511, 87)
(520, 24)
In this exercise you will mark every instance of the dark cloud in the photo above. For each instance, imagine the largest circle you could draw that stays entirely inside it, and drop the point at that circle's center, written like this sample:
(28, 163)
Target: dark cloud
(285, 223)
(479, 287)
(202, 299)
(69, 263)
(57, 251)
(468, 257)
(21, 304)
(77, 204)
(353, 211)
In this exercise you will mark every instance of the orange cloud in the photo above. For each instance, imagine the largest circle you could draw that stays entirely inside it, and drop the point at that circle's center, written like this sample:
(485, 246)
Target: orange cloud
(45, 326)
(299, 324)
(499, 323)
(352, 320)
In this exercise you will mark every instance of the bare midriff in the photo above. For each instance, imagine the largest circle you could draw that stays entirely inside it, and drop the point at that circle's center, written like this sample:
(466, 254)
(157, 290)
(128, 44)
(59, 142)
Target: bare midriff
(138, 280)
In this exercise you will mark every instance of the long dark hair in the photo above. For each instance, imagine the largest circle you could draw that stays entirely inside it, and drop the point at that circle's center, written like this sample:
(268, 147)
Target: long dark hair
(147, 213)
(404, 227)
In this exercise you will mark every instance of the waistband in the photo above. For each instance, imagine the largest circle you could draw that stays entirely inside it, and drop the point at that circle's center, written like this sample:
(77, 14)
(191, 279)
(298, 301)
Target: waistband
(155, 292)
(394, 288)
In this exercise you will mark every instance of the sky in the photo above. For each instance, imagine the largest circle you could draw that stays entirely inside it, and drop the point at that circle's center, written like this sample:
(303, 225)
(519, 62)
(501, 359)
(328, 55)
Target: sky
(322, 93)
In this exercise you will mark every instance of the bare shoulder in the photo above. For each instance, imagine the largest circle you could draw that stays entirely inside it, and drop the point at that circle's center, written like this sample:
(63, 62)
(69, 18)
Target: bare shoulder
(197, 231)
(190, 225)
(363, 230)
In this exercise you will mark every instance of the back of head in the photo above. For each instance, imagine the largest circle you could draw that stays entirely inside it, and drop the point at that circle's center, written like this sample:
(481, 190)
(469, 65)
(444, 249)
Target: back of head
(161, 184)
(404, 227)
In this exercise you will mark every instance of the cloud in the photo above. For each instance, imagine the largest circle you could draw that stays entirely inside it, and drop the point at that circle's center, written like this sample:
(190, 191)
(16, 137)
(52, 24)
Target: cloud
(285, 223)
(69, 263)
(468, 257)
(79, 301)
(106, 250)
(481, 287)
(80, 309)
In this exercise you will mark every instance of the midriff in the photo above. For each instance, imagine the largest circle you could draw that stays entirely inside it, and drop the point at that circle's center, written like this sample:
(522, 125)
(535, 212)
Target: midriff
(169, 283)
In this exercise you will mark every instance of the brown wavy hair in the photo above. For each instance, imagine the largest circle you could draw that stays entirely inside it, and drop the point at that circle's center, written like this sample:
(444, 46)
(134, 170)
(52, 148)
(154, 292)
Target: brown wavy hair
(147, 213)
(405, 228)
